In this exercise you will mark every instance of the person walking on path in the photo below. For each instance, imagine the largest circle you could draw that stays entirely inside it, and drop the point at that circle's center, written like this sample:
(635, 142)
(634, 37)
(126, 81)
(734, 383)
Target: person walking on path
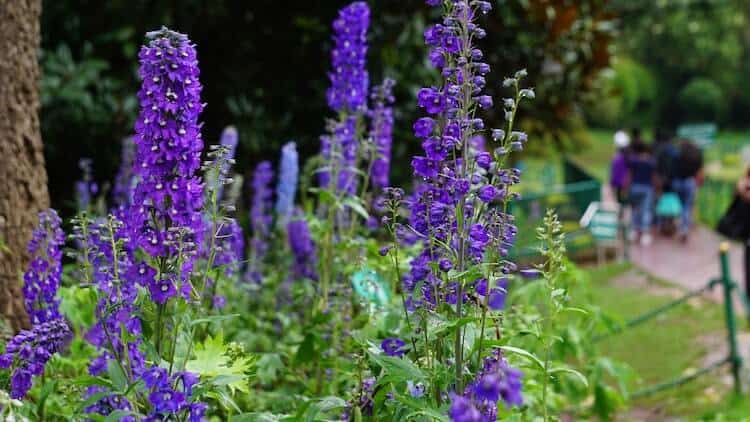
(743, 192)
(641, 193)
(686, 179)
(618, 176)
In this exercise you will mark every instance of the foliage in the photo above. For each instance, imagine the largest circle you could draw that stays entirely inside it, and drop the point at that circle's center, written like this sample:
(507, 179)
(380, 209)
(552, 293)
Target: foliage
(678, 41)
(701, 100)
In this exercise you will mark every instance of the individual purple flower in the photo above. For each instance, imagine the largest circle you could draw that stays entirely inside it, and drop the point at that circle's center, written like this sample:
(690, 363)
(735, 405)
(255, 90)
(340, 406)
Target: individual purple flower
(260, 219)
(122, 189)
(288, 179)
(166, 211)
(303, 250)
(393, 347)
(381, 132)
(27, 353)
(42, 279)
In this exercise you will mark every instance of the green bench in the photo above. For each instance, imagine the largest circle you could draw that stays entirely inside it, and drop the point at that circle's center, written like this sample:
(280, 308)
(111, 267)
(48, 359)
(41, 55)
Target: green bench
(703, 134)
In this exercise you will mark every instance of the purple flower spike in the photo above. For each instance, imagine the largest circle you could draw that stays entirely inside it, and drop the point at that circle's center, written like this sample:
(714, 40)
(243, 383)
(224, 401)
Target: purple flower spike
(381, 132)
(42, 279)
(349, 78)
(168, 142)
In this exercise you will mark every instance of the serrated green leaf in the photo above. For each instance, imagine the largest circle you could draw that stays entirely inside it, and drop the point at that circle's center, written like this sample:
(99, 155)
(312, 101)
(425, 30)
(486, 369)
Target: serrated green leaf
(211, 362)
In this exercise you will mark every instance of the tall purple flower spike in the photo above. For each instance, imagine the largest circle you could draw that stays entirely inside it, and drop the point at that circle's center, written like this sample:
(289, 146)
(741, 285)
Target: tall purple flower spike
(168, 195)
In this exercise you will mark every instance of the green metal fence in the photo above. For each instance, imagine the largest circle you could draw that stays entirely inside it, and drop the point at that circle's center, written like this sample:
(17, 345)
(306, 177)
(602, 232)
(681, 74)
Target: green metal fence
(569, 200)
(733, 358)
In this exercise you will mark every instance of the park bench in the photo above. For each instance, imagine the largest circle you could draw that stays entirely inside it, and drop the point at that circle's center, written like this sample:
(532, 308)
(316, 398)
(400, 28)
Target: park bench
(703, 134)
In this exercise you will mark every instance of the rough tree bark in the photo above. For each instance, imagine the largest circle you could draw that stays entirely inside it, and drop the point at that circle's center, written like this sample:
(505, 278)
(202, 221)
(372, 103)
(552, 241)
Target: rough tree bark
(23, 178)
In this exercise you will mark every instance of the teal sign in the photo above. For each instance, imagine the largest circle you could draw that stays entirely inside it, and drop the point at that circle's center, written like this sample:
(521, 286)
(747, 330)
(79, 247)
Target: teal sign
(371, 287)
(703, 134)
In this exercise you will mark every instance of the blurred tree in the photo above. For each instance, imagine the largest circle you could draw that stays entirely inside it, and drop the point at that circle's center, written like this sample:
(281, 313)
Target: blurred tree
(23, 180)
(679, 40)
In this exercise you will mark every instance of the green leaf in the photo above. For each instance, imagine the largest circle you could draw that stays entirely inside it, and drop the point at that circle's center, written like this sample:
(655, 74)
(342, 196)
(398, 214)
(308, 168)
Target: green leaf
(116, 374)
(357, 207)
(117, 415)
(211, 362)
(452, 325)
(255, 417)
(269, 365)
(214, 318)
(521, 352)
(398, 369)
(571, 371)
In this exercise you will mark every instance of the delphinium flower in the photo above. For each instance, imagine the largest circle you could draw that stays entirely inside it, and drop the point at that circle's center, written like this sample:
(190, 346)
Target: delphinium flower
(260, 219)
(347, 96)
(229, 140)
(381, 132)
(230, 247)
(496, 381)
(287, 185)
(224, 241)
(27, 353)
(165, 215)
(117, 331)
(303, 250)
(122, 189)
(459, 208)
(86, 188)
(42, 279)
(171, 395)
(393, 347)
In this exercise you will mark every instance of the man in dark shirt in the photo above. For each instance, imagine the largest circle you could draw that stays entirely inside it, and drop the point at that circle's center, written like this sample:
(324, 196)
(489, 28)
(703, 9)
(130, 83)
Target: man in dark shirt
(687, 170)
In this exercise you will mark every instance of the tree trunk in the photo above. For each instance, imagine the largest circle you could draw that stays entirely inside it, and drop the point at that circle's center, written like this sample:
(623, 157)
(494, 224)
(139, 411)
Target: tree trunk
(23, 179)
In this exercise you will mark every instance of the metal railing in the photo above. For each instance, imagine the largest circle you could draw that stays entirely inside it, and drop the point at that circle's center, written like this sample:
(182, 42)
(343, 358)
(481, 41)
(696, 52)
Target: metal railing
(733, 357)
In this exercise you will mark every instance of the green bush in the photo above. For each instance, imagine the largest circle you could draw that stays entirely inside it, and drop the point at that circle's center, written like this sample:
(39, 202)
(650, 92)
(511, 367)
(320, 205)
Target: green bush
(701, 100)
(625, 96)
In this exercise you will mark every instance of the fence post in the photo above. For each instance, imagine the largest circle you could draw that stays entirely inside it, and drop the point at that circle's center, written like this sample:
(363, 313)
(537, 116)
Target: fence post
(727, 285)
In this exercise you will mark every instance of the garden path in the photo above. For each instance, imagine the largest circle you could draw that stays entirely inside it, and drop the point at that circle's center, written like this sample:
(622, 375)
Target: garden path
(688, 265)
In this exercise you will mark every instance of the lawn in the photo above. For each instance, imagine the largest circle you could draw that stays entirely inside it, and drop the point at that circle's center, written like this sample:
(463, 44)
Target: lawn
(669, 346)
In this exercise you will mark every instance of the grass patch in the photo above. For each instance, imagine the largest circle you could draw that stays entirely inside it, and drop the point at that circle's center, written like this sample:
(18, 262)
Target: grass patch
(664, 348)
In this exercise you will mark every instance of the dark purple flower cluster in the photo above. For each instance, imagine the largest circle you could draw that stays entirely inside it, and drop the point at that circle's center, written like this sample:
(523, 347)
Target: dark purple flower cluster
(42, 279)
(122, 190)
(170, 396)
(349, 78)
(28, 352)
(261, 219)
(496, 381)
(303, 250)
(381, 132)
(165, 214)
